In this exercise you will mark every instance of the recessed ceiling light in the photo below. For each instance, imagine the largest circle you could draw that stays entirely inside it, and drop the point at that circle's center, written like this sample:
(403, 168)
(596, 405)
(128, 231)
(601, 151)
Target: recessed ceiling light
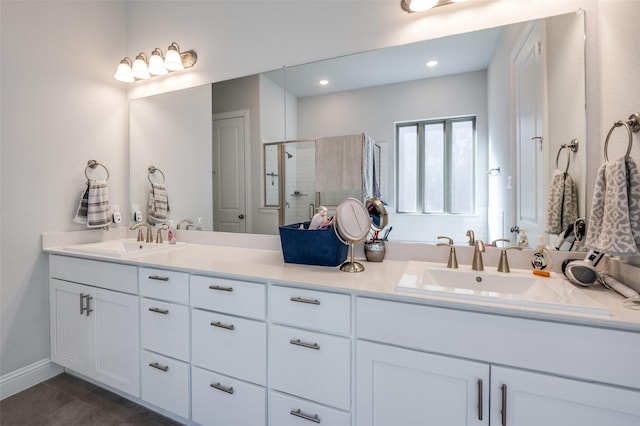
(323, 82)
(432, 63)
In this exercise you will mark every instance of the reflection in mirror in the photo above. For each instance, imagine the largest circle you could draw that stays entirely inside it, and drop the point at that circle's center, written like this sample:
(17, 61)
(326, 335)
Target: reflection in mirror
(466, 82)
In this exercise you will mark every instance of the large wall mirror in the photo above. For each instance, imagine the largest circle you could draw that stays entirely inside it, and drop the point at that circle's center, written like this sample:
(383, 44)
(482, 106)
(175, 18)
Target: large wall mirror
(524, 85)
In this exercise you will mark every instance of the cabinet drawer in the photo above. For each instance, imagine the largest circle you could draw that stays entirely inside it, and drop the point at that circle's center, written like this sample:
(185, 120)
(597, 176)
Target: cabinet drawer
(112, 276)
(229, 296)
(164, 328)
(221, 400)
(166, 285)
(230, 345)
(553, 347)
(311, 365)
(288, 411)
(316, 310)
(165, 382)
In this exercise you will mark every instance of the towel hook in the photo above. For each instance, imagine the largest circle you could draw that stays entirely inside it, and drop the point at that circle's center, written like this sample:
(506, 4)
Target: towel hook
(93, 164)
(152, 169)
(571, 146)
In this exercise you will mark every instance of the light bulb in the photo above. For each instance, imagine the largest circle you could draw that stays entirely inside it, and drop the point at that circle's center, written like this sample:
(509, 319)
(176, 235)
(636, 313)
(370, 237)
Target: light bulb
(139, 68)
(421, 5)
(173, 61)
(156, 63)
(123, 72)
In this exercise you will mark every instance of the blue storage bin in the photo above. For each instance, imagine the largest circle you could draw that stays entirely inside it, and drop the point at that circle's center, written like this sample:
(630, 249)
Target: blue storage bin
(319, 247)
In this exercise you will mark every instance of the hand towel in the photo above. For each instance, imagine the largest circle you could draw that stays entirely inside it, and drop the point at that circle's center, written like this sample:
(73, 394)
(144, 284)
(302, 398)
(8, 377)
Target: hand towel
(93, 209)
(158, 203)
(339, 163)
(614, 225)
(562, 206)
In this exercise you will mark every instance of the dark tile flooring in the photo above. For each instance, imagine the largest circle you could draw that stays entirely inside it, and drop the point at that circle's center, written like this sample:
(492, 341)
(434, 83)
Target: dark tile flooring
(66, 400)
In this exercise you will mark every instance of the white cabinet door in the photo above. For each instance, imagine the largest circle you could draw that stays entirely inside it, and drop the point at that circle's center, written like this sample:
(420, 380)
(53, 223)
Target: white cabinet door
(71, 330)
(96, 333)
(521, 398)
(402, 387)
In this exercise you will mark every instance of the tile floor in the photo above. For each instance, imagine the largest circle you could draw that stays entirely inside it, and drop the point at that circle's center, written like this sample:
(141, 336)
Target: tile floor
(66, 400)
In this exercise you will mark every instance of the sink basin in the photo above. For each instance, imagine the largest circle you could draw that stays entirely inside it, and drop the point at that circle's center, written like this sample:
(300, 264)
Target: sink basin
(122, 248)
(519, 287)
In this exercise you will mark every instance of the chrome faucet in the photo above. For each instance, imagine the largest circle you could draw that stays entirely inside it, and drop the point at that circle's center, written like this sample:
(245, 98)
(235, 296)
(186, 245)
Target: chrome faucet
(478, 249)
(189, 223)
(472, 237)
(452, 262)
(138, 226)
(503, 264)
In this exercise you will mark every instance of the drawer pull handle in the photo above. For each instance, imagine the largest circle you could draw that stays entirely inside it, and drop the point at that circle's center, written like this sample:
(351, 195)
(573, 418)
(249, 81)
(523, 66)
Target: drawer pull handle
(299, 413)
(158, 278)
(159, 311)
(299, 342)
(303, 300)
(223, 325)
(503, 410)
(159, 367)
(85, 307)
(218, 386)
(221, 288)
(480, 399)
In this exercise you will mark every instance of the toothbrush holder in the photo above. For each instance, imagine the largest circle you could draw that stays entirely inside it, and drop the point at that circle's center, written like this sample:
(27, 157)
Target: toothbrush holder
(374, 250)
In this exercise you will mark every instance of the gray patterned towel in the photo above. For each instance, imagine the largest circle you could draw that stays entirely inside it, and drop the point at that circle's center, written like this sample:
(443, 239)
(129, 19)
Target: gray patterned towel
(562, 207)
(93, 209)
(158, 203)
(614, 225)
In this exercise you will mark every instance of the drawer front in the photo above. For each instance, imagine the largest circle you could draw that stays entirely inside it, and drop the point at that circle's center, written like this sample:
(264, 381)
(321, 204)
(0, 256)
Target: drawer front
(289, 411)
(311, 365)
(241, 298)
(221, 400)
(230, 345)
(164, 328)
(165, 285)
(112, 276)
(552, 347)
(165, 382)
(317, 310)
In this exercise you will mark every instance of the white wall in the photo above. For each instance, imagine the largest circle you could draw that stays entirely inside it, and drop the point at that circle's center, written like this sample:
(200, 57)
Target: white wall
(53, 121)
(60, 108)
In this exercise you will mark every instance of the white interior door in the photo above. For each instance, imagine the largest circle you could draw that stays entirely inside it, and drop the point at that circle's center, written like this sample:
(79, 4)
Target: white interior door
(528, 78)
(229, 181)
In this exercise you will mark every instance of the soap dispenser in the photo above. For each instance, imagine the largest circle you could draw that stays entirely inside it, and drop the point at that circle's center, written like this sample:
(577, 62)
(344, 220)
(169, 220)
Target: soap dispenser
(171, 232)
(523, 241)
(541, 258)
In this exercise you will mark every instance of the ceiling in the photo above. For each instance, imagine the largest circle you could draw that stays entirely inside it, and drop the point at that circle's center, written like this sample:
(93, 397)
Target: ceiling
(455, 54)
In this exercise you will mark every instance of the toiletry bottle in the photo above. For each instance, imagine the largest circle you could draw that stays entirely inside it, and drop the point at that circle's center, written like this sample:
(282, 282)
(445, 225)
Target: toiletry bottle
(523, 241)
(318, 218)
(171, 232)
(541, 258)
(199, 224)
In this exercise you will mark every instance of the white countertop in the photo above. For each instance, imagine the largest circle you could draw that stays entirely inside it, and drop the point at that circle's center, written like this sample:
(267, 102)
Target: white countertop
(377, 280)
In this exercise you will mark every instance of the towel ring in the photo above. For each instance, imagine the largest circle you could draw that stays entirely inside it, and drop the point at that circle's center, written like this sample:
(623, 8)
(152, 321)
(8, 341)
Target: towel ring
(569, 147)
(629, 144)
(152, 170)
(93, 164)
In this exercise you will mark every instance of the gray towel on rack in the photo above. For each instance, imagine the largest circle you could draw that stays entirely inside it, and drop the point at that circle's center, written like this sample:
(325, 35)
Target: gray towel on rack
(93, 209)
(339, 163)
(158, 203)
(614, 225)
(562, 206)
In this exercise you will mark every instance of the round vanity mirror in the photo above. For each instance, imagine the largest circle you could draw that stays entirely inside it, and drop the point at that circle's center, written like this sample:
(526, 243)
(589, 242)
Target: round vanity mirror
(378, 213)
(352, 226)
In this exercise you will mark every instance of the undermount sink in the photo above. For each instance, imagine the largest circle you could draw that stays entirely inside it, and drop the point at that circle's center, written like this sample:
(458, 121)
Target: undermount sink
(122, 248)
(519, 287)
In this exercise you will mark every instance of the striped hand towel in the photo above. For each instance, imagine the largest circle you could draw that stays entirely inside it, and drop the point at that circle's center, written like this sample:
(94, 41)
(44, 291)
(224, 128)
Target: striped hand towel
(93, 209)
(158, 203)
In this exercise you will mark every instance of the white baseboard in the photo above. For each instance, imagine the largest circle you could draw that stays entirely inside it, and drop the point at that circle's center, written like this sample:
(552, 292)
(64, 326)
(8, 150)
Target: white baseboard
(28, 376)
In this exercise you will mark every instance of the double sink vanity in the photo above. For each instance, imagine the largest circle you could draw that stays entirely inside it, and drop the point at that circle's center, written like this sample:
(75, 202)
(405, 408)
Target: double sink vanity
(220, 335)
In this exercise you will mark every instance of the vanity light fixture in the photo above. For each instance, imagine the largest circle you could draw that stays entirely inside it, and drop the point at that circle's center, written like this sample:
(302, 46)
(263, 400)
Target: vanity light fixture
(139, 69)
(411, 6)
(157, 64)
